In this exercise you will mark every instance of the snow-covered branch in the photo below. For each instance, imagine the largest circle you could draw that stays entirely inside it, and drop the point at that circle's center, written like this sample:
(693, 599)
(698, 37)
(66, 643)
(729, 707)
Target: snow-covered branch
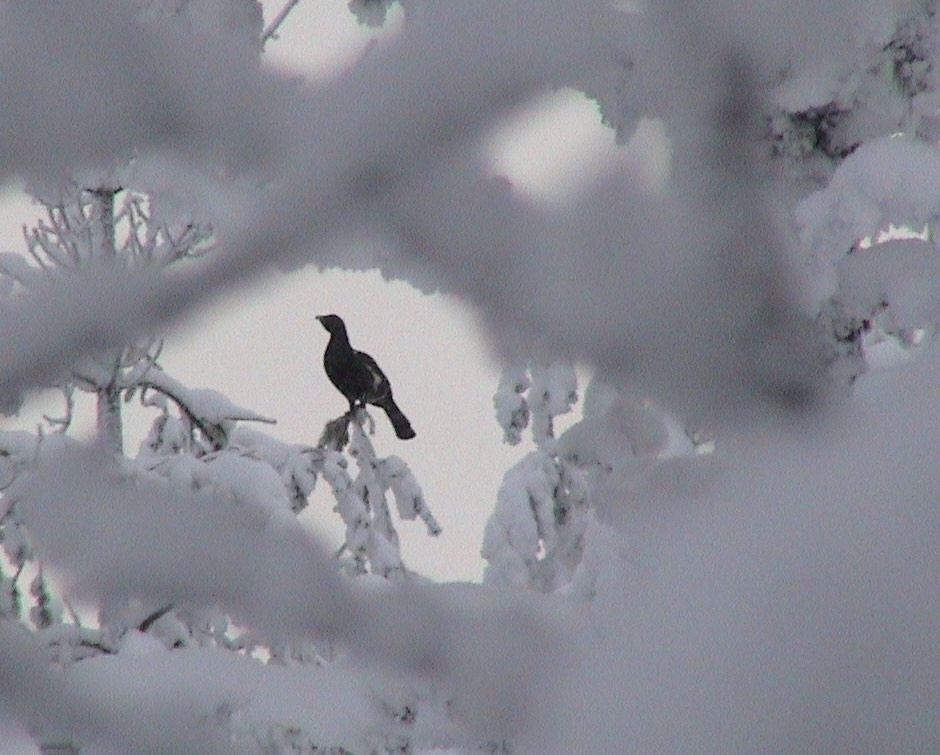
(362, 502)
(115, 539)
(212, 413)
(534, 536)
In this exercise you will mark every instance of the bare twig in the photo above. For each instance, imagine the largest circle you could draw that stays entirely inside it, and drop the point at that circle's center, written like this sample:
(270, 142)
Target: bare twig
(154, 617)
(271, 31)
(142, 365)
(63, 423)
(72, 612)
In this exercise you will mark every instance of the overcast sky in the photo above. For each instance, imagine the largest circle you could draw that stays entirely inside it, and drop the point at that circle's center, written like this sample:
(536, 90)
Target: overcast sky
(263, 348)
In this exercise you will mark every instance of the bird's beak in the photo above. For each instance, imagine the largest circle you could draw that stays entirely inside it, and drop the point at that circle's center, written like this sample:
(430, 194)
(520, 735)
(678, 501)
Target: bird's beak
(320, 318)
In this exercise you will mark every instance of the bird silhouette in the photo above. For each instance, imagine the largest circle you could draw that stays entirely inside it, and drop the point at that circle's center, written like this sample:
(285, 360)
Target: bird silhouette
(357, 376)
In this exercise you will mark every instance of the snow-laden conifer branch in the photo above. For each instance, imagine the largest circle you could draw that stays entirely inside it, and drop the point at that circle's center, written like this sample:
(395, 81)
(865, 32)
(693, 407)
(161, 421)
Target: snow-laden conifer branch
(395, 475)
(547, 531)
(351, 508)
(553, 390)
(535, 536)
(521, 533)
(207, 410)
(370, 535)
(362, 502)
(297, 465)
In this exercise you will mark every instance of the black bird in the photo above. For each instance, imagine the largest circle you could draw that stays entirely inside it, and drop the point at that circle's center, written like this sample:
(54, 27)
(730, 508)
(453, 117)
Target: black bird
(356, 375)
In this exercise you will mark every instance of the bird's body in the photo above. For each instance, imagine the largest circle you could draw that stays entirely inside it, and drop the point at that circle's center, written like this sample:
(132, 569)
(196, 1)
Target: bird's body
(357, 376)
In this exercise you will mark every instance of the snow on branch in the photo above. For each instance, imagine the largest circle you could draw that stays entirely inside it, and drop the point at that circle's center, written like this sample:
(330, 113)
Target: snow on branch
(533, 537)
(512, 411)
(862, 198)
(297, 465)
(362, 501)
(70, 523)
(549, 529)
(540, 391)
(552, 392)
(116, 540)
(208, 410)
(395, 475)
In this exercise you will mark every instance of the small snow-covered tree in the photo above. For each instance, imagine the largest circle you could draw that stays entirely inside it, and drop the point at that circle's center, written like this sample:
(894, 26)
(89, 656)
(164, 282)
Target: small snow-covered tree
(94, 227)
(84, 230)
(534, 536)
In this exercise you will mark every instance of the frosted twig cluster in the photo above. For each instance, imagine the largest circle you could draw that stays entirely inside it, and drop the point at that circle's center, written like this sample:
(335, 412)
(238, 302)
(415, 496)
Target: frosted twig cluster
(86, 230)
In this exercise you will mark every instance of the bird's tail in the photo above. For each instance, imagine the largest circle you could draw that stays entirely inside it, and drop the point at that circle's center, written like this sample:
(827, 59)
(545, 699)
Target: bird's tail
(399, 421)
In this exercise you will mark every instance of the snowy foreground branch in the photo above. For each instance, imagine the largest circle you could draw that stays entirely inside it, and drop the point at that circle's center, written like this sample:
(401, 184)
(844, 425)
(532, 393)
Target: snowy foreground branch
(203, 483)
(115, 538)
(333, 161)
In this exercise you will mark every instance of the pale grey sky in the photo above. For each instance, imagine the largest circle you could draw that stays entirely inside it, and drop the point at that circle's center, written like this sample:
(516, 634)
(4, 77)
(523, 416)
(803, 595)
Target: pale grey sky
(263, 348)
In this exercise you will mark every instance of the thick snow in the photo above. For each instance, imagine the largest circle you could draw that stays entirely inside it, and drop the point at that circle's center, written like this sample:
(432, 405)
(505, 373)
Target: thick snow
(205, 403)
(902, 276)
(779, 594)
(894, 179)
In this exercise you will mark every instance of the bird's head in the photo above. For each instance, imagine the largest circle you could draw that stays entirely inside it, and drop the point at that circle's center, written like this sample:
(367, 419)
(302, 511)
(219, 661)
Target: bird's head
(333, 323)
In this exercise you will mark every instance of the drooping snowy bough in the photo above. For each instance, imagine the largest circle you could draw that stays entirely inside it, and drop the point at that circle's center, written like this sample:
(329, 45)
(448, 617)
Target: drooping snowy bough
(362, 502)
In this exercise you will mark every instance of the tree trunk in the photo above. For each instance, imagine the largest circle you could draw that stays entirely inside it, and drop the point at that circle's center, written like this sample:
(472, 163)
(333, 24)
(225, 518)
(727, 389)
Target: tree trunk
(104, 241)
(109, 427)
